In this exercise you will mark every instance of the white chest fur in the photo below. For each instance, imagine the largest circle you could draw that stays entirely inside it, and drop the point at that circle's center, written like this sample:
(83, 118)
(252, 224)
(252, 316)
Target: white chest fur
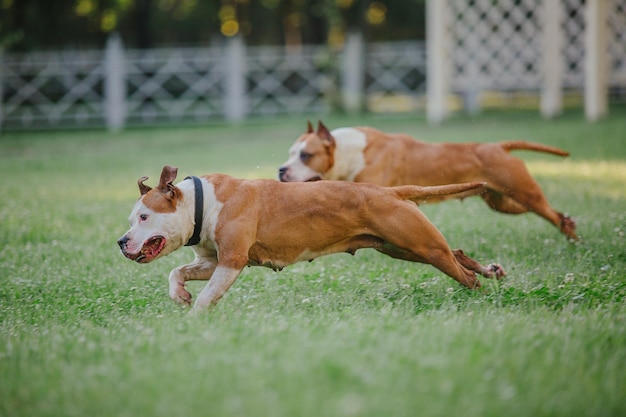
(349, 158)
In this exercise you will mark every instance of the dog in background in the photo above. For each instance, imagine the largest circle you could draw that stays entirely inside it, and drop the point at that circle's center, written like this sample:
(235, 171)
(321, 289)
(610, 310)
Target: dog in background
(365, 154)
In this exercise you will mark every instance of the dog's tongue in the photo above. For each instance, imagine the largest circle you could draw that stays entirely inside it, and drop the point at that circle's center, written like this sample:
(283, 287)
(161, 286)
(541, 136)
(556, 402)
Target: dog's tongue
(153, 247)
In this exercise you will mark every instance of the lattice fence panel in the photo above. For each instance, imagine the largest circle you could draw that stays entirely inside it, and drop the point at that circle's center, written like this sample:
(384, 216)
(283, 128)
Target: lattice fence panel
(496, 44)
(296, 82)
(174, 85)
(47, 89)
(573, 26)
(396, 68)
(395, 76)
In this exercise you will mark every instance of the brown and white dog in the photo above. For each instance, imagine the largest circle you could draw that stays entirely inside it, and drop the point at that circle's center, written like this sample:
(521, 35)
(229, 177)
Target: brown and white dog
(231, 223)
(365, 154)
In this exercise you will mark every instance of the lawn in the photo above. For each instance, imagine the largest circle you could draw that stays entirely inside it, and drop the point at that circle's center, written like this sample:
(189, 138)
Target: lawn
(85, 332)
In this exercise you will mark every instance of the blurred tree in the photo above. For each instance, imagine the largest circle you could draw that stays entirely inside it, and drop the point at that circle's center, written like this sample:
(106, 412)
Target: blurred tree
(141, 16)
(53, 24)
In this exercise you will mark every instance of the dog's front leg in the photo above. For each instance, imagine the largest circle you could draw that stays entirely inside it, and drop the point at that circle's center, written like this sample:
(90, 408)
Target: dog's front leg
(220, 282)
(200, 269)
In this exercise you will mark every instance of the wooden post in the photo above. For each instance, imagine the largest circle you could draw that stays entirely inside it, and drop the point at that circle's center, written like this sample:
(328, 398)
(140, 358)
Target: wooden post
(353, 72)
(438, 60)
(596, 57)
(114, 84)
(551, 94)
(235, 103)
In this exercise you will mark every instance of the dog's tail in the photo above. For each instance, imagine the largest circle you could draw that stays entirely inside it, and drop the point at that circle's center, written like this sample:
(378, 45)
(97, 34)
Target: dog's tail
(421, 194)
(522, 145)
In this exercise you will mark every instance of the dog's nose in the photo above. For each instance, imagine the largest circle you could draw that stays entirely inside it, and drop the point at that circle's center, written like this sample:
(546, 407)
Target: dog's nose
(122, 241)
(281, 172)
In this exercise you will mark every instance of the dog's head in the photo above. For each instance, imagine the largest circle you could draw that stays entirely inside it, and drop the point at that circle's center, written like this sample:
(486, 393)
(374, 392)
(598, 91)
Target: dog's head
(156, 226)
(310, 157)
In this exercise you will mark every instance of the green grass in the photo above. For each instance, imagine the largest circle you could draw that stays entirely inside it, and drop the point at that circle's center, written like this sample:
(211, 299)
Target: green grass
(84, 331)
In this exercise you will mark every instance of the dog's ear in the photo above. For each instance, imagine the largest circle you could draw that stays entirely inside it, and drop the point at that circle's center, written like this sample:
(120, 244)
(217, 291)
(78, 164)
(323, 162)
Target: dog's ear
(168, 175)
(166, 186)
(324, 133)
(309, 127)
(167, 195)
(143, 188)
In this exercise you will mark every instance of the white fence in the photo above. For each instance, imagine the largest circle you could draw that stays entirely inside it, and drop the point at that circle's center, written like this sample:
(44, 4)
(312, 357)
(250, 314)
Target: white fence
(478, 46)
(52, 89)
(538, 46)
(118, 87)
(500, 44)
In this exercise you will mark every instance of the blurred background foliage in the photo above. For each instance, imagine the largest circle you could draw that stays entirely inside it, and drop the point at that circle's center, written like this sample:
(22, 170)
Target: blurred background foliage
(27, 25)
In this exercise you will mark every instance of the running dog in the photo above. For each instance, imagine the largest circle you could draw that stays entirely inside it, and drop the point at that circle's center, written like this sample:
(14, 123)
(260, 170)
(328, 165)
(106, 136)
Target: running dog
(230, 223)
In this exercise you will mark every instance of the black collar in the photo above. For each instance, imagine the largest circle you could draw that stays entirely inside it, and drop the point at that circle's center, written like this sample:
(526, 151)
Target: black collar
(195, 238)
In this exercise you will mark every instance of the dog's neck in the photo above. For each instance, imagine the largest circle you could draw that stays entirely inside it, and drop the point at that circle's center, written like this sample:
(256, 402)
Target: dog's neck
(187, 208)
(349, 159)
(210, 211)
(198, 211)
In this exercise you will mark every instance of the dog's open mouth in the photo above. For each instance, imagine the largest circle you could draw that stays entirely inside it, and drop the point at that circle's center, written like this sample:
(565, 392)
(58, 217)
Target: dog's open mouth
(151, 249)
(314, 179)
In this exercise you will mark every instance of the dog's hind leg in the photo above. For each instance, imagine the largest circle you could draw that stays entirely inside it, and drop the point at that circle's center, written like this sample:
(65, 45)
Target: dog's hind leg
(440, 258)
(519, 193)
(409, 235)
(519, 202)
(490, 271)
(502, 203)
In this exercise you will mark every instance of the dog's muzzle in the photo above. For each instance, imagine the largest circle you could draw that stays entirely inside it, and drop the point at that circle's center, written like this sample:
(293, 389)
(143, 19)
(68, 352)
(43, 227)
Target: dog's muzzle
(122, 244)
(282, 174)
(150, 249)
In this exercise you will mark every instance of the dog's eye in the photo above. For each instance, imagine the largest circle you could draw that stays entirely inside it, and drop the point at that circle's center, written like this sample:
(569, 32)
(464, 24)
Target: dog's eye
(305, 156)
(143, 217)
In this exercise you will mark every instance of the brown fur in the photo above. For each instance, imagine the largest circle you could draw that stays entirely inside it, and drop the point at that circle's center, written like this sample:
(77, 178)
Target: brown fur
(273, 224)
(398, 159)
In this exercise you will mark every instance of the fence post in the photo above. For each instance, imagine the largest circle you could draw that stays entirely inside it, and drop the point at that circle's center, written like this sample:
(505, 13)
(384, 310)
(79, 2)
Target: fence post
(551, 93)
(114, 84)
(235, 103)
(353, 73)
(596, 97)
(437, 79)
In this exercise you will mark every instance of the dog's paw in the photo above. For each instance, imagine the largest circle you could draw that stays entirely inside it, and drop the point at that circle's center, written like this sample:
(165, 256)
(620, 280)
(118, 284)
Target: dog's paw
(568, 227)
(496, 271)
(181, 296)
